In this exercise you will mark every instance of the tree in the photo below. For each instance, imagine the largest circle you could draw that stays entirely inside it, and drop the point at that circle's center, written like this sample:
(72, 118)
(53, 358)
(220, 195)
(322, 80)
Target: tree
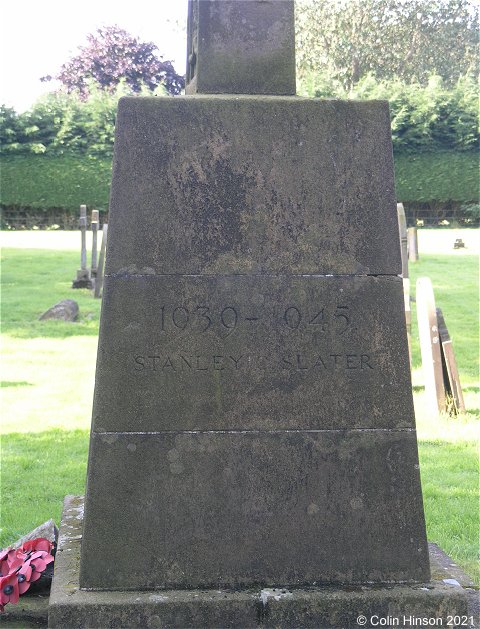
(112, 55)
(405, 39)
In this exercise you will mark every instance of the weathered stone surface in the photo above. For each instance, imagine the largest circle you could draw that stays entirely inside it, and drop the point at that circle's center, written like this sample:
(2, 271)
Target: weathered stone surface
(252, 352)
(315, 607)
(249, 185)
(253, 417)
(229, 509)
(65, 310)
(445, 569)
(241, 47)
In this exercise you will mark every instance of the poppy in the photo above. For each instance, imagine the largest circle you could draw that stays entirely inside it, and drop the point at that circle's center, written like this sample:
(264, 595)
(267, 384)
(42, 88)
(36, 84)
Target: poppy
(8, 566)
(23, 577)
(38, 561)
(37, 544)
(9, 554)
(9, 591)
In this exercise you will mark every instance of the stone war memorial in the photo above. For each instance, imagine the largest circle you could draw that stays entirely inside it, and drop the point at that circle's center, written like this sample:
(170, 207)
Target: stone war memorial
(253, 455)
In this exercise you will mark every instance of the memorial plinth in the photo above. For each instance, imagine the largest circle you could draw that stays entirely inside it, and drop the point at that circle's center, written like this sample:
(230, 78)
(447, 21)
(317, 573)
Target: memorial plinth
(253, 413)
(253, 421)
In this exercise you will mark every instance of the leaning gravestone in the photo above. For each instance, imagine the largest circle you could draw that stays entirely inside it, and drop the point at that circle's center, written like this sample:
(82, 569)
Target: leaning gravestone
(253, 420)
(453, 388)
(430, 347)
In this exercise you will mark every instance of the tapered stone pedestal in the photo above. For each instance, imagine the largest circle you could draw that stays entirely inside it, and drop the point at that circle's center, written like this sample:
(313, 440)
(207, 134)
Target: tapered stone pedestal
(253, 421)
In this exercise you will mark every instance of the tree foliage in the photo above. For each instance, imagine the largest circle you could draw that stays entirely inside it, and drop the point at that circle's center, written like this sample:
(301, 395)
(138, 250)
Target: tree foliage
(111, 56)
(404, 39)
(61, 122)
(433, 117)
(424, 118)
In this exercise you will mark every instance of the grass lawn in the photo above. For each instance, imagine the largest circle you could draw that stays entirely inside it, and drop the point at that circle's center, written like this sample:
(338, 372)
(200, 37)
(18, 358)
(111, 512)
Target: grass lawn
(48, 375)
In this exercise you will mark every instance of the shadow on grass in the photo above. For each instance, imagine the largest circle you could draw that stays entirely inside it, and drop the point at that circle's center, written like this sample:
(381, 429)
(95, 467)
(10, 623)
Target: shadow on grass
(38, 470)
(52, 329)
(474, 413)
(417, 388)
(15, 383)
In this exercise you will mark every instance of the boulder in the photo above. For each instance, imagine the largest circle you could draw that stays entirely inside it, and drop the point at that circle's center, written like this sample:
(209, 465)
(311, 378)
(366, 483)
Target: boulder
(65, 310)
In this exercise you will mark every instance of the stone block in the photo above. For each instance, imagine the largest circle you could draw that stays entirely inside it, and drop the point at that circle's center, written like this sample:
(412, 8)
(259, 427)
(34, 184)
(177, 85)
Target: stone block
(253, 185)
(232, 509)
(252, 352)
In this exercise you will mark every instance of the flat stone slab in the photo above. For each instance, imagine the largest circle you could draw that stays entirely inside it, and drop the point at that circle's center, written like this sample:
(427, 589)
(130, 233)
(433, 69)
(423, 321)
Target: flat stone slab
(230, 509)
(315, 607)
(253, 184)
(32, 611)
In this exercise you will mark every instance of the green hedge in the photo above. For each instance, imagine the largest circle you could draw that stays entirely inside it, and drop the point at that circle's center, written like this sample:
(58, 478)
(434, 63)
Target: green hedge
(43, 182)
(437, 177)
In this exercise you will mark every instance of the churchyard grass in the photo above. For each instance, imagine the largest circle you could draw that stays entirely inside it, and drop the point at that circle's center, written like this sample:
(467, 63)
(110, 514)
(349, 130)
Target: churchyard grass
(48, 374)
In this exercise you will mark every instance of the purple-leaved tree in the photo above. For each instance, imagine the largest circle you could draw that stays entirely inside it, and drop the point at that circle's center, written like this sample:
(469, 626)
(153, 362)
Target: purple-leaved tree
(113, 55)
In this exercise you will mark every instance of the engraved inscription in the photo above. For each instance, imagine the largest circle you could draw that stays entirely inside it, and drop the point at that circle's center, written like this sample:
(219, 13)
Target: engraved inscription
(319, 337)
(335, 318)
(299, 362)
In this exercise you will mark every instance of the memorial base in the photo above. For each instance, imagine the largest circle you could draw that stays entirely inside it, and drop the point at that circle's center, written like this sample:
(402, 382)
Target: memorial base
(83, 279)
(426, 604)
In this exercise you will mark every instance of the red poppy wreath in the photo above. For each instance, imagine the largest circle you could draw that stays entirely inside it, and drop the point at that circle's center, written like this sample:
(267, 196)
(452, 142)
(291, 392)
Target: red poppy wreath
(20, 567)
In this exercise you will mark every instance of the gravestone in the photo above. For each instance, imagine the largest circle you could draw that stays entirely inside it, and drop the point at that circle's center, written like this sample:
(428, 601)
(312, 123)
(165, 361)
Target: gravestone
(83, 279)
(430, 347)
(253, 420)
(453, 388)
(101, 263)
(402, 227)
(412, 240)
(94, 224)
